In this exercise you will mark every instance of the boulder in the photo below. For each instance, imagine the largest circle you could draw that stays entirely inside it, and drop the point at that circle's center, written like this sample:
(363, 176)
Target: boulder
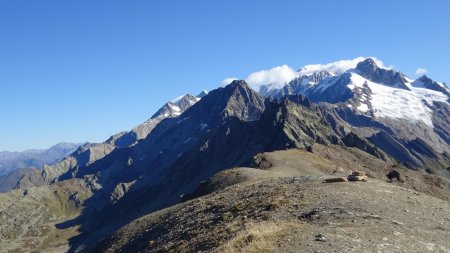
(335, 180)
(394, 174)
(353, 178)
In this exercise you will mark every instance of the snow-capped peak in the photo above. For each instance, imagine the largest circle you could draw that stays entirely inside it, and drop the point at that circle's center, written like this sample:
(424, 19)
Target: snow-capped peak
(427, 83)
(397, 103)
(175, 100)
(202, 94)
(371, 71)
(176, 106)
(365, 84)
(338, 67)
(280, 76)
(318, 76)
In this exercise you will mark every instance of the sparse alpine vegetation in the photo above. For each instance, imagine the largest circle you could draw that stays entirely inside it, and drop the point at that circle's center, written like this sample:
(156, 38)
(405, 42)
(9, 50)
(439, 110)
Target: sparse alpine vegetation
(241, 169)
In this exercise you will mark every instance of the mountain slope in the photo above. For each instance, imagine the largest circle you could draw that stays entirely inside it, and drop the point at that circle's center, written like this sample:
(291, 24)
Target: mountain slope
(9, 181)
(233, 137)
(34, 158)
(14, 165)
(143, 166)
(190, 140)
(29, 217)
(413, 115)
(426, 82)
(92, 152)
(284, 207)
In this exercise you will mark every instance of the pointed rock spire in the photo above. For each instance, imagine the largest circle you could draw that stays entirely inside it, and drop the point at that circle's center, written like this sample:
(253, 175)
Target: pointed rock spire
(236, 99)
(370, 70)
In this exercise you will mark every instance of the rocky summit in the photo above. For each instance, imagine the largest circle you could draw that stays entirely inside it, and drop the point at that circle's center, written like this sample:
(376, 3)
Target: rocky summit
(330, 161)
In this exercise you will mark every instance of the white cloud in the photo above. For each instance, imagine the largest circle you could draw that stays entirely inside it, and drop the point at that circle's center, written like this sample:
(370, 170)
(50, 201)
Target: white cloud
(338, 67)
(421, 71)
(277, 76)
(227, 81)
(177, 98)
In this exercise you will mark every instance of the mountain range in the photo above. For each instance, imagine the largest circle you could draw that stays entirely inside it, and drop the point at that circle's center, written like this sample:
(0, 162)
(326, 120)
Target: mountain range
(14, 164)
(381, 115)
(34, 158)
(407, 116)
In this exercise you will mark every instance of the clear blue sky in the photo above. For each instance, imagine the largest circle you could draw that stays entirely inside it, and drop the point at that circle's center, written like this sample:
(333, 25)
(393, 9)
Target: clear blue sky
(83, 70)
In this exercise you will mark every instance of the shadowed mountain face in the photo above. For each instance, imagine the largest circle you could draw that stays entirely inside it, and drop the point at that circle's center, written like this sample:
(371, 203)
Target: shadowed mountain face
(191, 139)
(404, 118)
(144, 168)
(426, 82)
(91, 152)
(227, 128)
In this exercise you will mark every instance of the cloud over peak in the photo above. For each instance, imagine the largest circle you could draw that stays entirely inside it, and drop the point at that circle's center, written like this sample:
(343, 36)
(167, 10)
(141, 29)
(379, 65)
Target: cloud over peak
(337, 67)
(278, 76)
(229, 80)
(421, 71)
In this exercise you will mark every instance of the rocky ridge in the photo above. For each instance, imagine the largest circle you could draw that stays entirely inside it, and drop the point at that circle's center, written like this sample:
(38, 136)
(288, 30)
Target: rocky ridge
(227, 128)
(384, 106)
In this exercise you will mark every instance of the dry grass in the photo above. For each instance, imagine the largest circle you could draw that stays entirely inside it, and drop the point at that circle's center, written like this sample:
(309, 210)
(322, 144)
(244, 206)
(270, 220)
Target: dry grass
(258, 237)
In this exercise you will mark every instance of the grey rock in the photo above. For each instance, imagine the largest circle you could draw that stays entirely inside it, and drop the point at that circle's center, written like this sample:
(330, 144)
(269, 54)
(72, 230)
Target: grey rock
(369, 69)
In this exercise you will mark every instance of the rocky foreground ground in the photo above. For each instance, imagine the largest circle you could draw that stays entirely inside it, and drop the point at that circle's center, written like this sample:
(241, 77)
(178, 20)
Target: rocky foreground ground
(30, 219)
(284, 206)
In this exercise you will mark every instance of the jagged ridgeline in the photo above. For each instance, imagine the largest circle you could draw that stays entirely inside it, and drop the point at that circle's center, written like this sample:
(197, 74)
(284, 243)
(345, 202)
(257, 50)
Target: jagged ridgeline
(108, 185)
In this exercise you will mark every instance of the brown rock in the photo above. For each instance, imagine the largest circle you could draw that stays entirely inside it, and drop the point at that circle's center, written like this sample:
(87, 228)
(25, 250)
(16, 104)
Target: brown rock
(353, 178)
(358, 173)
(335, 180)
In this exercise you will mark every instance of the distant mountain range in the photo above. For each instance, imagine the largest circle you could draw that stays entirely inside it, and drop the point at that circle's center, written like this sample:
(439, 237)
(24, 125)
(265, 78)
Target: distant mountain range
(15, 164)
(35, 158)
(375, 110)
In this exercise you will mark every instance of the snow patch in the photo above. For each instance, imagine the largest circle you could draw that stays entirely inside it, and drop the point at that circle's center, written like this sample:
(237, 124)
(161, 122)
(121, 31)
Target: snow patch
(363, 108)
(177, 99)
(442, 85)
(325, 85)
(278, 77)
(203, 126)
(398, 103)
(175, 108)
(183, 119)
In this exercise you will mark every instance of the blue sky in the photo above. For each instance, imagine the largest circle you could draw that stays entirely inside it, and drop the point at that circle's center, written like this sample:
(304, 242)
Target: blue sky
(83, 70)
